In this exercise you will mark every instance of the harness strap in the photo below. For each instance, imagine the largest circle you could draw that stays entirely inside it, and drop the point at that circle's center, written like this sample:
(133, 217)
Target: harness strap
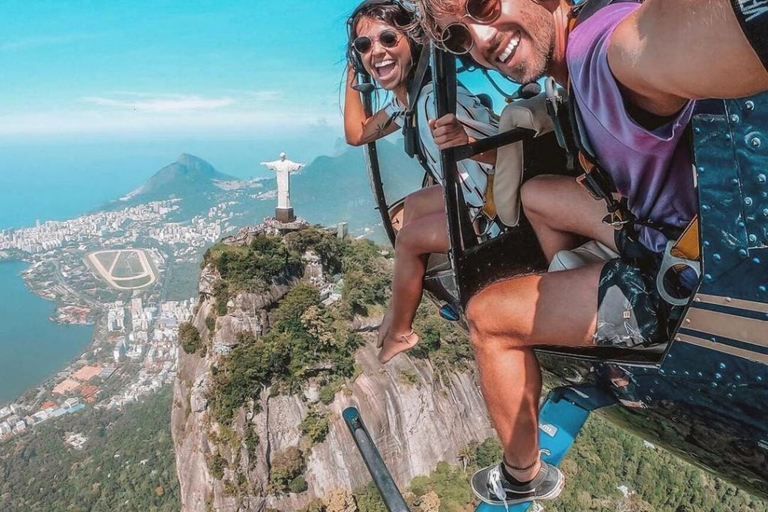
(412, 143)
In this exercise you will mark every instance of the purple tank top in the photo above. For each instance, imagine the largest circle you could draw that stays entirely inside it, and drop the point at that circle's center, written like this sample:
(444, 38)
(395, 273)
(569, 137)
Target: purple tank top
(652, 169)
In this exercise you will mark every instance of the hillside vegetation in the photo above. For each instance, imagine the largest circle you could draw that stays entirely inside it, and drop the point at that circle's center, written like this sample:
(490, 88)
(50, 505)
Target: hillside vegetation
(127, 464)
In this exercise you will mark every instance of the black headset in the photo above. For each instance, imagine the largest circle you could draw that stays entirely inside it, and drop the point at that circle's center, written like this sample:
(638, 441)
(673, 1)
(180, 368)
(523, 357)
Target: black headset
(352, 55)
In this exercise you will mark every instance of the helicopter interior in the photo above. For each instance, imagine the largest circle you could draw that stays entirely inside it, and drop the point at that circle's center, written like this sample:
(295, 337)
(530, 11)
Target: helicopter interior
(481, 255)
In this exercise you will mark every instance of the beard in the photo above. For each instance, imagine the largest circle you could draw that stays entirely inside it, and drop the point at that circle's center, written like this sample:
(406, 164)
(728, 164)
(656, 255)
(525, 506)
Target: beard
(539, 27)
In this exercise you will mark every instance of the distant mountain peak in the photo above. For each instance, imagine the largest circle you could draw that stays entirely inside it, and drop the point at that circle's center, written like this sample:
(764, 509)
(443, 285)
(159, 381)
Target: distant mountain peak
(188, 175)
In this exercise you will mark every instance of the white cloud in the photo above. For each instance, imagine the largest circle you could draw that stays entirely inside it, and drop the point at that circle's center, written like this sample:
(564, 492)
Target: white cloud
(171, 103)
(265, 95)
(35, 42)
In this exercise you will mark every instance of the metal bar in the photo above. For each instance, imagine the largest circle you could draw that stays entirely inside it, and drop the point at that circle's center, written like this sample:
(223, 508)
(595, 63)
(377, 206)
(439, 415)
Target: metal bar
(493, 142)
(461, 234)
(372, 162)
(393, 500)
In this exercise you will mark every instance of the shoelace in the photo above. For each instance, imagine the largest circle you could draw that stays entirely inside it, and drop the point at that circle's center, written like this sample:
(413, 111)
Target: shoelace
(497, 488)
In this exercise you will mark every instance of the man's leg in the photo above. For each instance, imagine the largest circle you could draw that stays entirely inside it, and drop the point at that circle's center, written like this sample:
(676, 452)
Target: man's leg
(506, 320)
(562, 214)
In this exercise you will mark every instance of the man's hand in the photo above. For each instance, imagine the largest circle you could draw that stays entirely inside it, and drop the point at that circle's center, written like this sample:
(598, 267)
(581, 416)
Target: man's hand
(448, 132)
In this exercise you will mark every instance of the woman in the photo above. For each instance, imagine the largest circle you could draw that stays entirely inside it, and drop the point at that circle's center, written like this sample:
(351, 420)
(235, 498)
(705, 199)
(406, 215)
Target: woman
(381, 46)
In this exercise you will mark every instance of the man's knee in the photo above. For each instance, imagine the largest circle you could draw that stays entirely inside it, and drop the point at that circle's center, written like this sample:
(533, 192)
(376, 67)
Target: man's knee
(485, 329)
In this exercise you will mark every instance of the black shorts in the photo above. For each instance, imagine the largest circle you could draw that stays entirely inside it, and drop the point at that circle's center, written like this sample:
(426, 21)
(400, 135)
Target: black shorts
(753, 18)
(630, 311)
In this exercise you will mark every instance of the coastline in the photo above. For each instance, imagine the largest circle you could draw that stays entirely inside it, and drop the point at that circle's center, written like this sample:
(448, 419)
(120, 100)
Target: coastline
(66, 365)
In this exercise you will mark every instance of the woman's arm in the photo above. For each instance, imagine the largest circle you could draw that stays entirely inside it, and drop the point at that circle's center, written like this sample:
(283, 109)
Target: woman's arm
(449, 133)
(358, 128)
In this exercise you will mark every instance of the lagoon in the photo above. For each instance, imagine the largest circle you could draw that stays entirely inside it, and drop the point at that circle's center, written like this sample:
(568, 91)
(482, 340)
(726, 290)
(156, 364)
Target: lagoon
(32, 348)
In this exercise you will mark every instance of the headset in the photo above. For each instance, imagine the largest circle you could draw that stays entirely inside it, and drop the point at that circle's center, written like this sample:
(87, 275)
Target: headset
(353, 57)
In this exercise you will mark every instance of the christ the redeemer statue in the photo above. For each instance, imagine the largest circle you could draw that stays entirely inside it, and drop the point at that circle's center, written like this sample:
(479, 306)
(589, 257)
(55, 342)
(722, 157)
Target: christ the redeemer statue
(283, 168)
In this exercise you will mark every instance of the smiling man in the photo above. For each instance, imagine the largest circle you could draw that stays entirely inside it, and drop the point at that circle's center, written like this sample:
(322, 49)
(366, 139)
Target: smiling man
(635, 70)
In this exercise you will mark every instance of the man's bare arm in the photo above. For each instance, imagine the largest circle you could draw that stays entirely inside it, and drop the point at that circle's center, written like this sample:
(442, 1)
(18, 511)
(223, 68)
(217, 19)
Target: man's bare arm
(670, 51)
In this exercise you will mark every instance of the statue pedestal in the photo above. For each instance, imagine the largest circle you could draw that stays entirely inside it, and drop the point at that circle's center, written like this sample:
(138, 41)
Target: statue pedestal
(284, 215)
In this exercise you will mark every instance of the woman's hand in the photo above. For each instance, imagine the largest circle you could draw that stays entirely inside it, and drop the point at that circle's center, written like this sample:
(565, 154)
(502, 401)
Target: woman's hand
(448, 132)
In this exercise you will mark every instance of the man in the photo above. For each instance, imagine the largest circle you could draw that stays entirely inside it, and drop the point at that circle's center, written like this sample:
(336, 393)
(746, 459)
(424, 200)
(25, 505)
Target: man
(634, 70)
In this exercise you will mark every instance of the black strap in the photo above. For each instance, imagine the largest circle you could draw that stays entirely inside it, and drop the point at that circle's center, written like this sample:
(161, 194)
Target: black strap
(411, 139)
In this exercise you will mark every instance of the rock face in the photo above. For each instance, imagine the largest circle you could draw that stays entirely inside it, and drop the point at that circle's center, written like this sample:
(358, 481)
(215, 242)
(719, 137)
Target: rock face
(416, 418)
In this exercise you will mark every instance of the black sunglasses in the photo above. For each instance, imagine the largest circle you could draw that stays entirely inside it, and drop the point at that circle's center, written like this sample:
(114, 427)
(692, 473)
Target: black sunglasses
(456, 37)
(387, 39)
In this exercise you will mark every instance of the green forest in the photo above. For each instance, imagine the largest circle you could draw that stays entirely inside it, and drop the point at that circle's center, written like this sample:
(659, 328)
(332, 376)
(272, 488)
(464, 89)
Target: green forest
(127, 464)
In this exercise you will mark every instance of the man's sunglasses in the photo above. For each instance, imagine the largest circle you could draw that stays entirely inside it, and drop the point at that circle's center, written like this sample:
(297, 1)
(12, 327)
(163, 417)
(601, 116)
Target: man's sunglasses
(387, 39)
(456, 37)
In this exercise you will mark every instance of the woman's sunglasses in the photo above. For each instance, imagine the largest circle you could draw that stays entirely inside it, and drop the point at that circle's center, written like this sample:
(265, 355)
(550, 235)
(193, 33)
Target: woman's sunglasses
(387, 39)
(456, 37)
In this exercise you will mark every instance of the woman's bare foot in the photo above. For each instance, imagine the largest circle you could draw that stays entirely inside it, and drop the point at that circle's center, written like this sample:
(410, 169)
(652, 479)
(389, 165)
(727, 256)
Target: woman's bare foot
(393, 344)
(386, 323)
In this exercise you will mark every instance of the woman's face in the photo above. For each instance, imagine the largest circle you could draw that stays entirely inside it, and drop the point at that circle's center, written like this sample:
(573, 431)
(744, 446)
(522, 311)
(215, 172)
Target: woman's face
(388, 66)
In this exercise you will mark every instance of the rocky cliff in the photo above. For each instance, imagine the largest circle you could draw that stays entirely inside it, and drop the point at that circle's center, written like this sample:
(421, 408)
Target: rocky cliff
(417, 416)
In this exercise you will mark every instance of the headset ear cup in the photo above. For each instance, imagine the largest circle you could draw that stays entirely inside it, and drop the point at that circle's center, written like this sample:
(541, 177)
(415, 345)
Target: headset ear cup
(354, 59)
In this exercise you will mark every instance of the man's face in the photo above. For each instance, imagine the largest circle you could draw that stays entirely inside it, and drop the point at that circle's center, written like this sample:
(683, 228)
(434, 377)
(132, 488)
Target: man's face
(519, 44)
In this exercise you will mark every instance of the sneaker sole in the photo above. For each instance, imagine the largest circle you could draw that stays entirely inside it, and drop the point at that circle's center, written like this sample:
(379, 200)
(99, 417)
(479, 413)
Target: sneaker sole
(553, 494)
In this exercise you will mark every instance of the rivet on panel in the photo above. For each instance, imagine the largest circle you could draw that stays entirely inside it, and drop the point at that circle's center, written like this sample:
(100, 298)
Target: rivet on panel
(718, 376)
(765, 212)
(750, 105)
(705, 207)
(697, 130)
(759, 378)
(714, 384)
(752, 239)
(687, 320)
(755, 142)
(761, 178)
(708, 278)
(677, 338)
(737, 376)
(734, 118)
(717, 257)
(727, 136)
(722, 366)
(756, 261)
(700, 374)
(762, 288)
(748, 201)
(730, 395)
(735, 181)
(743, 253)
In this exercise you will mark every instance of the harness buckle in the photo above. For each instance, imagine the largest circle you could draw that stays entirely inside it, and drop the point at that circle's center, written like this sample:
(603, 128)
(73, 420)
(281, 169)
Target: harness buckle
(616, 220)
(587, 185)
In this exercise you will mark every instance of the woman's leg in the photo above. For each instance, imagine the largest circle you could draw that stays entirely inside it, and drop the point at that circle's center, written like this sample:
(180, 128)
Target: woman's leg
(423, 202)
(415, 242)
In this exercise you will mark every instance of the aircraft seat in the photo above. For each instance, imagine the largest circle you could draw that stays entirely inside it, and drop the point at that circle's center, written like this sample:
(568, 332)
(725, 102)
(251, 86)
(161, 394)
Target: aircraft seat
(529, 113)
(591, 252)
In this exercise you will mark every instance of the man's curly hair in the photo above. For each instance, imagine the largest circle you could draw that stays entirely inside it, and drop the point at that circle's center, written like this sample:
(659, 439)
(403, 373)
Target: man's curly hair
(429, 11)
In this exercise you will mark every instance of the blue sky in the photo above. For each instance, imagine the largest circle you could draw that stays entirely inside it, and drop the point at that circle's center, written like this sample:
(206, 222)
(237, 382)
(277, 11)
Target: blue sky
(191, 67)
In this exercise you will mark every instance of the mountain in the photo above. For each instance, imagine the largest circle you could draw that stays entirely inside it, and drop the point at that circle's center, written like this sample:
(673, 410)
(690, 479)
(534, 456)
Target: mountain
(187, 175)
